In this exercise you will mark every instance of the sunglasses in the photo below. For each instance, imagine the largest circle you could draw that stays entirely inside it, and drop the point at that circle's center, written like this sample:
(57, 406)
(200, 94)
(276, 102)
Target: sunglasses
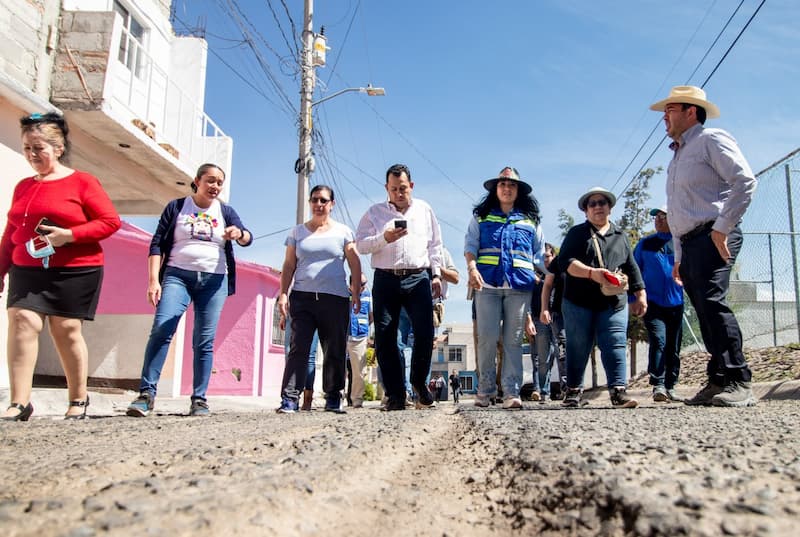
(322, 201)
(660, 216)
(597, 203)
(50, 117)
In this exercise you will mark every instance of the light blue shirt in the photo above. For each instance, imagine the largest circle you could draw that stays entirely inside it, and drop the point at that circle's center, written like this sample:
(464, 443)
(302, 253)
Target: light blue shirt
(708, 180)
(320, 259)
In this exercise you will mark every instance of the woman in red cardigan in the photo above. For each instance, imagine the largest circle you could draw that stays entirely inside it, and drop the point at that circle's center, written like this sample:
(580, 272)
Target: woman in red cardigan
(51, 251)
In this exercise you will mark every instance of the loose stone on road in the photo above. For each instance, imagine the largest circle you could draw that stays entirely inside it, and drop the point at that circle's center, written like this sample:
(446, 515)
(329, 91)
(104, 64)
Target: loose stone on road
(544, 470)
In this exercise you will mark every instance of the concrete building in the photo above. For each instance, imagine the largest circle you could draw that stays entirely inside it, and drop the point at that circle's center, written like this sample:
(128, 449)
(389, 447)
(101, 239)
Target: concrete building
(133, 93)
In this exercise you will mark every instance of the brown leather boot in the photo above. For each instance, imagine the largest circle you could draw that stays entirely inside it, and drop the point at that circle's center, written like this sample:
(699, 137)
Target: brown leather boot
(307, 395)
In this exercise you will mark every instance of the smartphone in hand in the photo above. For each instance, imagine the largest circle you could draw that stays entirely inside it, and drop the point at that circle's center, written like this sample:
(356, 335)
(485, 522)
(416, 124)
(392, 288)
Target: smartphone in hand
(611, 278)
(401, 224)
(44, 221)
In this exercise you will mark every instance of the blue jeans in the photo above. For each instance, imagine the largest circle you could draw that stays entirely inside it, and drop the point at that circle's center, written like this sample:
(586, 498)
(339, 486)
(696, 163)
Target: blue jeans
(560, 342)
(545, 353)
(609, 328)
(493, 306)
(405, 343)
(312, 353)
(180, 287)
(664, 330)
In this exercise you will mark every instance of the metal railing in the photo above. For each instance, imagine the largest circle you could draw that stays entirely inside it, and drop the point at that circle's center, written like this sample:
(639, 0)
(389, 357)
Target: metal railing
(150, 95)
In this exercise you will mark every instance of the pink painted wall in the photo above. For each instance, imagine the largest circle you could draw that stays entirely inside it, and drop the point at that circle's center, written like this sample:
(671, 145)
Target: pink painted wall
(245, 360)
(242, 345)
(125, 273)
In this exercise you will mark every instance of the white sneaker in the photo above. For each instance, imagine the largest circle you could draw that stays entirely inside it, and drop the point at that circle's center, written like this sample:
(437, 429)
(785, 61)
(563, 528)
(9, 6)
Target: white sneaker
(512, 403)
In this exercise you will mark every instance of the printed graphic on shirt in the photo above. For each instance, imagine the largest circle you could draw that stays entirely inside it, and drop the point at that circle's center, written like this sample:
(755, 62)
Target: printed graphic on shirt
(201, 226)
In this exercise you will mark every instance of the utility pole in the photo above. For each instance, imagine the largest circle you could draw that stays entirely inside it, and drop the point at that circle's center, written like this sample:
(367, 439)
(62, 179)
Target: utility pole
(306, 94)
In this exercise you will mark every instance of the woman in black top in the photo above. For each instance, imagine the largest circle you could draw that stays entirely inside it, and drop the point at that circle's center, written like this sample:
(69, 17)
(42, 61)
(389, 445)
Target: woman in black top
(590, 315)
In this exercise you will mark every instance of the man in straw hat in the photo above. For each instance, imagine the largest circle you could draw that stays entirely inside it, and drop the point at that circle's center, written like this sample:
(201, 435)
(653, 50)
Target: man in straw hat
(709, 187)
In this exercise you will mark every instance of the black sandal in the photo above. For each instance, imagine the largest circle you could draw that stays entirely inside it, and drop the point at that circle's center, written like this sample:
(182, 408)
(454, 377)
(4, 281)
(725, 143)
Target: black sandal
(24, 412)
(84, 404)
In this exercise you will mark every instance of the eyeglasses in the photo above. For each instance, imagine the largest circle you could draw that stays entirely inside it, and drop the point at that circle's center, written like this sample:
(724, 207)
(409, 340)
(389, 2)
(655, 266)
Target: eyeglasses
(321, 201)
(660, 216)
(597, 203)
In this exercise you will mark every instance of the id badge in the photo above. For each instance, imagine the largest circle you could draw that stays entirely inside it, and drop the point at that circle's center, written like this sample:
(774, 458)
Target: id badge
(40, 247)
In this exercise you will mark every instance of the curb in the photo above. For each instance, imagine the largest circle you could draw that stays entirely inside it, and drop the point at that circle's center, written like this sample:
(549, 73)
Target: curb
(52, 402)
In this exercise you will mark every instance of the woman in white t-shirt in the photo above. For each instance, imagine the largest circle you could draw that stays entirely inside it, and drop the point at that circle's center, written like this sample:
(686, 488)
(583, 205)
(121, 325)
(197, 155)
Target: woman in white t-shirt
(315, 254)
(191, 260)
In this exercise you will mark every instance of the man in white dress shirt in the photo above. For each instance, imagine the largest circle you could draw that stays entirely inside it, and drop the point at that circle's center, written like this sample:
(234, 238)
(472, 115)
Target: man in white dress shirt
(404, 239)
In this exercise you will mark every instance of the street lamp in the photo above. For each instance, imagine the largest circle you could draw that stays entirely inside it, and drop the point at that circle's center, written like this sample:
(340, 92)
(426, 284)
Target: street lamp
(370, 90)
(304, 164)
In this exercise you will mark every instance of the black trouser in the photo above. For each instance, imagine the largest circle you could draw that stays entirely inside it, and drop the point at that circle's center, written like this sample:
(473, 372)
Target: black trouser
(706, 279)
(664, 330)
(329, 316)
(389, 294)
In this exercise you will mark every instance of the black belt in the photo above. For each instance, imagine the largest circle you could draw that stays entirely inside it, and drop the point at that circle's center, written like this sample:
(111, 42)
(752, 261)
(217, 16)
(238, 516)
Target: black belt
(403, 271)
(696, 232)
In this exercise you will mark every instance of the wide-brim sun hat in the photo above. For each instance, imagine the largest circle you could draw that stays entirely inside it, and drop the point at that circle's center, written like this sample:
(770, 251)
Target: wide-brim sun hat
(655, 210)
(508, 174)
(612, 199)
(687, 95)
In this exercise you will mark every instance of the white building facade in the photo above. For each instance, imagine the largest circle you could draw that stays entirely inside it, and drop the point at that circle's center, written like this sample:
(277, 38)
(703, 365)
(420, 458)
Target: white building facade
(131, 90)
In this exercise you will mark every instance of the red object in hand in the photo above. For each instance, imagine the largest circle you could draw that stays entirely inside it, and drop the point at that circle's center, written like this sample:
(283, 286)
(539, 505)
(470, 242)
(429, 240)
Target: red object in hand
(612, 279)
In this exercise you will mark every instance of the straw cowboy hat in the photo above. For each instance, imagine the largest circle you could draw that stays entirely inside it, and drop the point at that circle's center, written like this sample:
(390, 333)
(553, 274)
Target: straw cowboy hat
(508, 174)
(583, 200)
(688, 95)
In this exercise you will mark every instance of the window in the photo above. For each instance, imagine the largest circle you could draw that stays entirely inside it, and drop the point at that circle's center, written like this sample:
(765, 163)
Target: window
(455, 354)
(131, 44)
(466, 384)
(278, 335)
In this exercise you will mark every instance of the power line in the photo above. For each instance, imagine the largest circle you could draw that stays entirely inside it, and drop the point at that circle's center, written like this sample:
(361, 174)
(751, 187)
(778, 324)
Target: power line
(294, 28)
(658, 91)
(344, 41)
(280, 29)
(419, 152)
(234, 12)
(229, 66)
(725, 55)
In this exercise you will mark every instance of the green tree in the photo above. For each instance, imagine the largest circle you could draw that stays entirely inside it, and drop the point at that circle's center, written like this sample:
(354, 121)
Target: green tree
(635, 207)
(635, 216)
(565, 221)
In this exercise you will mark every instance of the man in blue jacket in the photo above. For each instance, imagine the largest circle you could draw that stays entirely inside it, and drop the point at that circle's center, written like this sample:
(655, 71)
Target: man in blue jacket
(664, 318)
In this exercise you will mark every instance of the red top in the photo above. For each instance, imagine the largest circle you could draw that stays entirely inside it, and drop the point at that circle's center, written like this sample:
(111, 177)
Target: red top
(77, 202)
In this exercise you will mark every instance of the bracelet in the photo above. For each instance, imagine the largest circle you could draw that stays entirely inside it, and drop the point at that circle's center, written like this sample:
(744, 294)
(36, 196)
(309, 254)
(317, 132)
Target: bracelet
(590, 273)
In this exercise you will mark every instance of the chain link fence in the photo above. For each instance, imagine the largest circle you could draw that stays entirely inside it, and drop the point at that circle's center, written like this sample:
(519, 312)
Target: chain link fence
(764, 283)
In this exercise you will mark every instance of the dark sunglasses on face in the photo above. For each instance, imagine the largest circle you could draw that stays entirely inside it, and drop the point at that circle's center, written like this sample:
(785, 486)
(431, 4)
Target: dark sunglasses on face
(597, 203)
(323, 201)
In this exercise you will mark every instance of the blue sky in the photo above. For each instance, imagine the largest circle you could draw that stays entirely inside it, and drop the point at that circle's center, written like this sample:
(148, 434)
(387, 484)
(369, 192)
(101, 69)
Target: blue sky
(558, 89)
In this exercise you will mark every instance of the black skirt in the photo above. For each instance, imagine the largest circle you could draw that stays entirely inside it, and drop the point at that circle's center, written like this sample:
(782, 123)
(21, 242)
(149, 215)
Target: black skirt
(60, 291)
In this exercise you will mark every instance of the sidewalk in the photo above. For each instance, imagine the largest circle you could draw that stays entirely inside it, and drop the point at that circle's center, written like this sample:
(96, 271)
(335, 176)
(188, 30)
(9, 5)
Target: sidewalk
(52, 402)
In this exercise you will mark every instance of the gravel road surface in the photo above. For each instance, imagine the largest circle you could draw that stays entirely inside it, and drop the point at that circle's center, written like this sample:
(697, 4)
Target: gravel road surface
(455, 470)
